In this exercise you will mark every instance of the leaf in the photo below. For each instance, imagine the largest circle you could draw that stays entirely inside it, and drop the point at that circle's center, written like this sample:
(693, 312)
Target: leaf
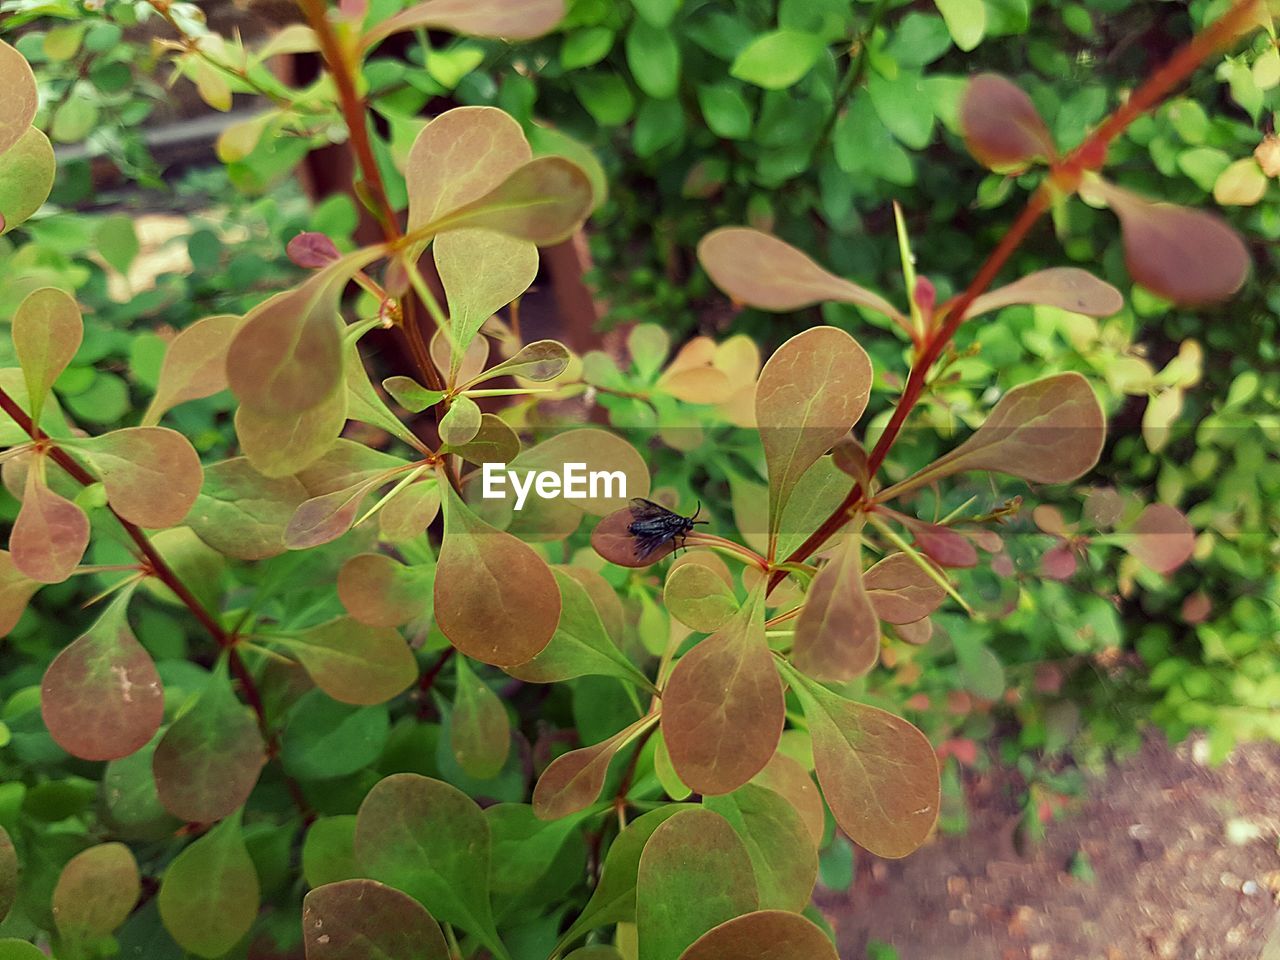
(1001, 126)
(878, 773)
(494, 442)
(580, 646)
(194, 367)
(46, 332)
(539, 361)
(696, 596)
(479, 732)
(430, 840)
(1161, 538)
(381, 592)
(759, 270)
(328, 852)
(461, 423)
(966, 21)
(8, 873)
(900, 591)
(209, 894)
(26, 177)
(787, 778)
(1068, 288)
(326, 517)
(838, 634)
(21, 98)
(1162, 412)
(942, 545)
(694, 874)
(599, 451)
(778, 59)
(495, 598)
(508, 19)
(208, 761)
(614, 898)
(784, 856)
(722, 707)
(410, 394)
(1187, 256)
(810, 393)
(408, 514)
(764, 935)
(278, 445)
(543, 201)
(1243, 183)
(16, 591)
(51, 533)
(96, 892)
(312, 251)
(241, 513)
(1046, 431)
(482, 271)
(352, 662)
(364, 920)
(152, 474)
(573, 780)
(101, 697)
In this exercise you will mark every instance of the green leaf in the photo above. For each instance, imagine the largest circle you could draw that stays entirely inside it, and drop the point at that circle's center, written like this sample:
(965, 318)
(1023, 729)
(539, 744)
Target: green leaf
(21, 97)
(606, 97)
(482, 272)
(329, 851)
(539, 361)
(364, 920)
(524, 848)
(658, 13)
(479, 731)
(573, 780)
(654, 59)
(26, 177)
(352, 662)
(382, 592)
(325, 739)
(783, 854)
(8, 873)
(209, 893)
(410, 394)
(726, 110)
(208, 761)
(430, 840)
(241, 513)
(904, 106)
(722, 707)
(16, 591)
(766, 935)
(878, 773)
(777, 60)
(966, 20)
(101, 697)
(117, 241)
(46, 332)
(698, 597)
(278, 445)
(694, 874)
(584, 48)
(96, 892)
(195, 365)
(461, 423)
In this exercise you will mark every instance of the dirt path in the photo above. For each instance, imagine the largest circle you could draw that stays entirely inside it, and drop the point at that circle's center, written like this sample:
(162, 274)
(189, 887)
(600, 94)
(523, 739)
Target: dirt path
(1184, 860)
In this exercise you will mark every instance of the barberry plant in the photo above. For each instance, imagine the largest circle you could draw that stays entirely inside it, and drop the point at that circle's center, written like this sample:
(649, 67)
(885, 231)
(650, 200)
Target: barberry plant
(359, 762)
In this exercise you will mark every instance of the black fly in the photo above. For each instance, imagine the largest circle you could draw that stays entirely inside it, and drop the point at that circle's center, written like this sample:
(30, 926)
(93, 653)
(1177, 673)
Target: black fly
(653, 525)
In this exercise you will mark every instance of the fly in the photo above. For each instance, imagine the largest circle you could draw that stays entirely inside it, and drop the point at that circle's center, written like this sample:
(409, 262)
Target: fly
(653, 526)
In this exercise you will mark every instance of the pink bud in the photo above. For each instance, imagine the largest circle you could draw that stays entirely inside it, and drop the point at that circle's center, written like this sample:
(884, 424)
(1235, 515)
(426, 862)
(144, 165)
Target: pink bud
(925, 296)
(312, 251)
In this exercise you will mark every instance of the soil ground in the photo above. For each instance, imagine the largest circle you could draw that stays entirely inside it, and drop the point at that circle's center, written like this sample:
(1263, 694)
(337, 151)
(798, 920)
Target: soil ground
(1184, 859)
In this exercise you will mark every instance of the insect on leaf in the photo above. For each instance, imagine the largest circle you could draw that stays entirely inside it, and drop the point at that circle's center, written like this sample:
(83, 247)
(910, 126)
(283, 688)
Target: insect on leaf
(194, 367)
(364, 920)
(46, 331)
(764, 935)
(96, 892)
(101, 697)
(573, 780)
(838, 633)
(354, 663)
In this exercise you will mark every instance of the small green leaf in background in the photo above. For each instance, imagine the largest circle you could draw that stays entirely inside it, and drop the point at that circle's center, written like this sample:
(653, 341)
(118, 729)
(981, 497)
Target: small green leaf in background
(726, 110)
(777, 60)
(96, 892)
(966, 19)
(480, 732)
(584, 48)
(654, 59)
(329, 851)
(8, 873)
(657, 13)
(209, 893)
(117, 241)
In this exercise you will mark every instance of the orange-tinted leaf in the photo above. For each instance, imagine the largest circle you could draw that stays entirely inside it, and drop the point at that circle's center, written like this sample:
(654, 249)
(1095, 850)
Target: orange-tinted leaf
(694, 874)
(241, 513)
(27, 170)
(208, 761)
(539, 361)
(96, 892)
(508, 19)
(790, 780)
(8, 873)
(495, 598)
(51, 533)
(152, 474)
(20, 97)
(381, 592)
(838, 633)
(278, 445)
(479, 731)
(900, 591)
(15, 592)
(574, 780)
(917, 632)
(722, 707)
(1161, 538)
(330, 515)
(1059, 563)
(352, 662)
(1188, 256)
(46, 331)
(943, 545)
(195, 365)
(1068, 288)
(1002, 128)
(364, 920)
(101, 697)
(878, 773)
(810, 393)
(764, 935)
(482, 271)
(1047, 431)
(759, 270)
(784, 856)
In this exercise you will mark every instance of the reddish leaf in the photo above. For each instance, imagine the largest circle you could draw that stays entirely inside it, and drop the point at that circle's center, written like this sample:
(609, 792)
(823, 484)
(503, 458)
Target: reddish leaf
(8, 873)
(900, 591)
(101, 697)
(51, 533)
(613, 540)
(838, 634)
(152, 474)
(330, 515)
(278, 445)
(722, 707)
(508, 19)
(1002, 128)
(1161, 538)
(20, 97)
(943, 546)
(15, 592)
(46, 332)
(759, 270)
(917, 632)
(96, 892)
(382, 592)
(312, 251)
(764, 935)
(789, 779)
(1188, 256)
(573, 781)
(364, 920)
(195, 365)
(1059, 563)
(1068, 288)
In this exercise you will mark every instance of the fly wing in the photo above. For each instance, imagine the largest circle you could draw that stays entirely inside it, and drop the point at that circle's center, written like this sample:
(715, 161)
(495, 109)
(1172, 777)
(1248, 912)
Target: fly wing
(642, 509)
